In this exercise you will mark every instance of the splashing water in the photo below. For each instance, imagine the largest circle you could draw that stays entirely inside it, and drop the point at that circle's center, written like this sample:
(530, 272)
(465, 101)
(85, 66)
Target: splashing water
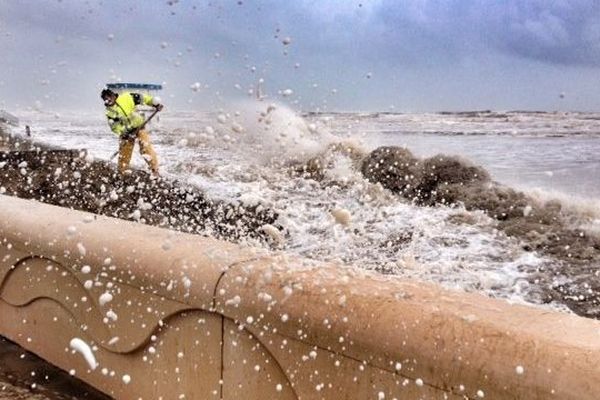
(248, 155)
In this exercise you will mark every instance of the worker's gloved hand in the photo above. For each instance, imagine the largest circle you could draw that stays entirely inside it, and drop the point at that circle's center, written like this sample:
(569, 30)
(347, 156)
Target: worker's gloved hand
(159, 107)
(129, 134)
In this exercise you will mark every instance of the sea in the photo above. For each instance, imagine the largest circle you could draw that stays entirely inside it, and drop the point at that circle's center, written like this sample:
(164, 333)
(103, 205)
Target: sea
(245, 154)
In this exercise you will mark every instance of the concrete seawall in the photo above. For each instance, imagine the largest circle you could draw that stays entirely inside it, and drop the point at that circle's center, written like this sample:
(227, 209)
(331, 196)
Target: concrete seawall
(172, 316)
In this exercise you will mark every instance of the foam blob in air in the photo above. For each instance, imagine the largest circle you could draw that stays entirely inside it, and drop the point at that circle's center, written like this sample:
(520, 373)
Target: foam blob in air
(341, 216)
(84, 349)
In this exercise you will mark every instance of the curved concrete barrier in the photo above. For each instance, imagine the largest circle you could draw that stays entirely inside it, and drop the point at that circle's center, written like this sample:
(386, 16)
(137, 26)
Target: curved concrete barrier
(173, 316)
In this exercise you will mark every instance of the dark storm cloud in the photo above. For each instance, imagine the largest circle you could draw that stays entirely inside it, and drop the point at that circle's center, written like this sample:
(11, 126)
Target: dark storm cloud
(422, 53)
(564, 32)
(561, 31)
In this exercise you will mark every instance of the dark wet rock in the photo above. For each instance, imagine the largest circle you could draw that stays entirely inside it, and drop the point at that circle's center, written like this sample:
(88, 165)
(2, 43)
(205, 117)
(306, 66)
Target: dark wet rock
(426, 182)
(68, 178)
(397, 240)
(312, 169)
(451, 181)
(396, 168)
(541, 226)
(498, 202)
(440, 173)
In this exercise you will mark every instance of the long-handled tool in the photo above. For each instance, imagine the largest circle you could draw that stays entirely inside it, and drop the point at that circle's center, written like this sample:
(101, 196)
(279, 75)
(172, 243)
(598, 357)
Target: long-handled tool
(133, 136)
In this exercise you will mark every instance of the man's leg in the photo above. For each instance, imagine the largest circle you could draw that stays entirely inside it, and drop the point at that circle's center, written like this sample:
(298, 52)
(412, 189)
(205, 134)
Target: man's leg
(147, 151)
(125, 152)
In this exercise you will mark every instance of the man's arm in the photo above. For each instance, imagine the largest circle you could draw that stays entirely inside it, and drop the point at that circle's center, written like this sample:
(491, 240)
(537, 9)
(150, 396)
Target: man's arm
(115, 123)
(149, 101)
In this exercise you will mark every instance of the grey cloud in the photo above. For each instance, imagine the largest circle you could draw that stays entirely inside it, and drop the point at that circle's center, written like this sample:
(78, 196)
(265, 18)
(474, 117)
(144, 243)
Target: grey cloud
(555, 32)
(412, 47)
(562, 32)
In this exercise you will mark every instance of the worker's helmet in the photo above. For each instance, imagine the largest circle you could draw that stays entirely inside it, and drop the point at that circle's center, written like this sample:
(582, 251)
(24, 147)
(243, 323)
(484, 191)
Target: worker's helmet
(107, 93)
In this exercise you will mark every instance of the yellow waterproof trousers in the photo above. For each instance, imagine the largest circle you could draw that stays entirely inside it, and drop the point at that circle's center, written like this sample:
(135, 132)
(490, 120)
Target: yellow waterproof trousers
(148, 153)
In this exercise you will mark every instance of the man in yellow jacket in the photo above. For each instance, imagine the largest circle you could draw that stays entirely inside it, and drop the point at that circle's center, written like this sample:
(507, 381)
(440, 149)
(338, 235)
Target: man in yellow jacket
(125, 122)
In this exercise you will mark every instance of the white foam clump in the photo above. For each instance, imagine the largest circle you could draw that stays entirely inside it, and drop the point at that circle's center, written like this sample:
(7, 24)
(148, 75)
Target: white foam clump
(110, 314)
(196, 86)
(105, 298)
(187, 282)
(84, 349)
(235, 301)
(274, 233)
(251, 199)
(519, 369)
(136, 215)
(341, 216)
(81, 249)
(237, 128)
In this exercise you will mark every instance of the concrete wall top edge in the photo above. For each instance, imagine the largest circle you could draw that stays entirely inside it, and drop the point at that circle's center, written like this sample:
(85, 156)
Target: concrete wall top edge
(178, 266)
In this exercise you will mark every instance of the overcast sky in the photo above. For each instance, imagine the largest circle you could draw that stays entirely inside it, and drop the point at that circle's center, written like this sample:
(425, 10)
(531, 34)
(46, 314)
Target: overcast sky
(401, 55)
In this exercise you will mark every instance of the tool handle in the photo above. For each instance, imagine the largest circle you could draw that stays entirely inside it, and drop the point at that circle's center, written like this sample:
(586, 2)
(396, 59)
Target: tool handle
(148, 120)
(139, 128)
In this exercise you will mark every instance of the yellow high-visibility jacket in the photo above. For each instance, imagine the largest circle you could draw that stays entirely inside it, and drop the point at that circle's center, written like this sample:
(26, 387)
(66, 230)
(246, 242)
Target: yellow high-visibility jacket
(122, 117)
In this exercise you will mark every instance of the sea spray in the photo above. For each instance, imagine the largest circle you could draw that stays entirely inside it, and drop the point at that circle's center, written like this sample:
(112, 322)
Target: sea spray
(442, 242)
(450, 180)
(272, 133)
